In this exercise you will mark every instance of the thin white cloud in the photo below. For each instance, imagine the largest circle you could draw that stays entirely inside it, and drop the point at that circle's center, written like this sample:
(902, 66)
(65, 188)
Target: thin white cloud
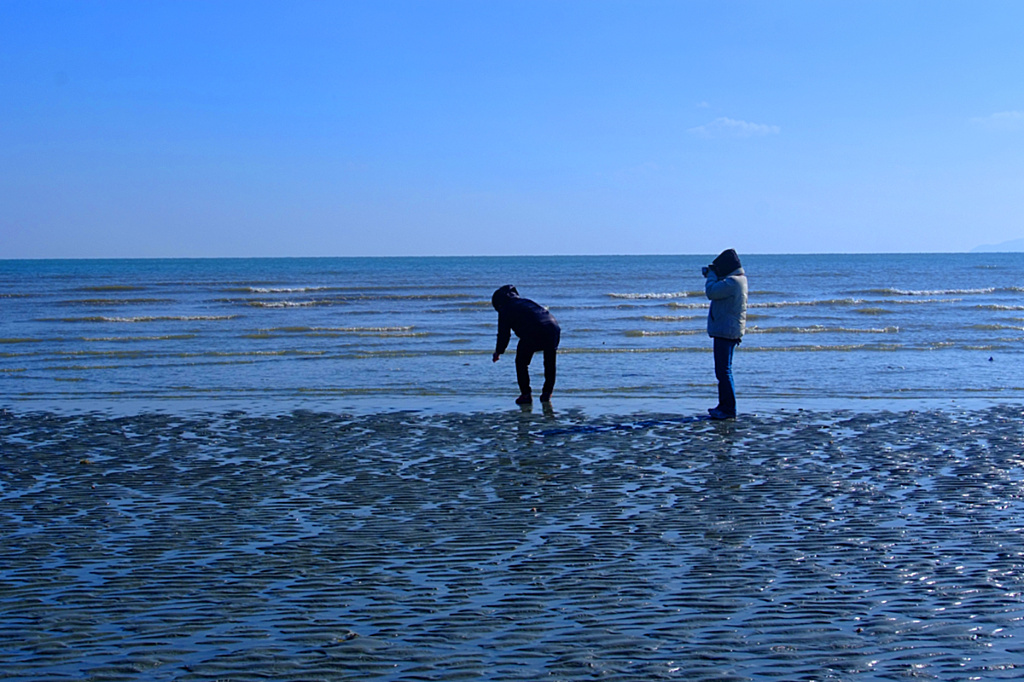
(1003, 120)
(730, 127)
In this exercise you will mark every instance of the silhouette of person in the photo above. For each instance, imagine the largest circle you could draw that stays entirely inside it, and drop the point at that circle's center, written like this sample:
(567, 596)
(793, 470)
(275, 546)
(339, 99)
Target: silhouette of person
(537, 330)
(726, 287)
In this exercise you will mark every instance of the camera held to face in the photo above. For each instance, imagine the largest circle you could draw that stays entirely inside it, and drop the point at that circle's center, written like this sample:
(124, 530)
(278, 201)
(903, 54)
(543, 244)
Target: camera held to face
(705, 270)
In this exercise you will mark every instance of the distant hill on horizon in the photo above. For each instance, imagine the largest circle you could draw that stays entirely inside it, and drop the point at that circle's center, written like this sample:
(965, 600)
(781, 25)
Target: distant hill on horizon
(1012, 245)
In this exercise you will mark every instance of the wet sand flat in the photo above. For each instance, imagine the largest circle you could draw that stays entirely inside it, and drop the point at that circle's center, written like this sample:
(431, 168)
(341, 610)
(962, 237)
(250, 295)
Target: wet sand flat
(512, 546)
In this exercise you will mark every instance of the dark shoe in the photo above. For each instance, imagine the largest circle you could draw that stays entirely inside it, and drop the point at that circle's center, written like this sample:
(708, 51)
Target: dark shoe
(716, 413)
(524, 399)
(545, 397)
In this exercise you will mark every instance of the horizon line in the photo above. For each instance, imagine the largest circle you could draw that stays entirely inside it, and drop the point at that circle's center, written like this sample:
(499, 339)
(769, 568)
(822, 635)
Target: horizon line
(514, 255)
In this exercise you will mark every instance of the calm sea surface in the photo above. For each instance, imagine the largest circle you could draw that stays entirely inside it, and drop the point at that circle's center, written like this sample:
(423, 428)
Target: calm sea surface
(379, 333)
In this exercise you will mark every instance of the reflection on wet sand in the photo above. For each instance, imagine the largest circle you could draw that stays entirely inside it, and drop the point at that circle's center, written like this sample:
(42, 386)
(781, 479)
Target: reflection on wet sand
(530, 543)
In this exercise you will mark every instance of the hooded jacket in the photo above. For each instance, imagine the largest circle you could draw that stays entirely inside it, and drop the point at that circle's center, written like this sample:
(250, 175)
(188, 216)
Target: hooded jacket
(726, 287)
(530, 321)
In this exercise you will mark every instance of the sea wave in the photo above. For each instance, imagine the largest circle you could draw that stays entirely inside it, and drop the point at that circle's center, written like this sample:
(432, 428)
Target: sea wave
(821, 329)
(283, 290)
(412, 297)
(878, 304)
(841, 347)
(996, 327)
(920, 301)
(406, 330)
(114, 301)
(615, 351)
(242, 288)
(149, 318)
(793, 348)
(817, 302)
(674, 332)
(656, 296)
(671, 318)
(332, 300)
(111, 287)
(132, 339)
(787, 348)
(462, 306)
(381, 333)
(892, 291)
(286, 304)
(363, 330)
(256, 353)
(126, 354)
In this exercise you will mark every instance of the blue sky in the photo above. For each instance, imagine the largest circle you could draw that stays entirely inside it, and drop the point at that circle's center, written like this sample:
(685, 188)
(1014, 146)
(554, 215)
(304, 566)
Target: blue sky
(186, 128)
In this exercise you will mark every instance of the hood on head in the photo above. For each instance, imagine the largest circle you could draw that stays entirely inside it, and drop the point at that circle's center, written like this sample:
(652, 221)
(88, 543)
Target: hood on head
(503, 295)
(726, 262)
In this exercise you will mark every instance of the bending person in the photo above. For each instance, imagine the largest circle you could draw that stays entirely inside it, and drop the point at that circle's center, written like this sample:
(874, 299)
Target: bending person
(537, 330)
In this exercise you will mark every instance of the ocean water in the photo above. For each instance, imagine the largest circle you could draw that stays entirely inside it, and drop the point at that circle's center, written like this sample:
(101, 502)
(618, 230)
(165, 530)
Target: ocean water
(371, 334)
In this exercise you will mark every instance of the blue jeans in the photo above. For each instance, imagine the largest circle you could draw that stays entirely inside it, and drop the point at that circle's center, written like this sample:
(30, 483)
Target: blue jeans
(723, 372)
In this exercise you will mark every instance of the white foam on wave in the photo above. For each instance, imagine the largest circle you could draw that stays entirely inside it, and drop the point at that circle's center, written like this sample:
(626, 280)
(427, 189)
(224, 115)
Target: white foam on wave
(150, 318)
(284, 304)
(676, 332)
(821, 329)
(830, 301)
(655, 296)
(851, 302)
(351, 330)
(672, 318)
(891, 291)
(284, 290)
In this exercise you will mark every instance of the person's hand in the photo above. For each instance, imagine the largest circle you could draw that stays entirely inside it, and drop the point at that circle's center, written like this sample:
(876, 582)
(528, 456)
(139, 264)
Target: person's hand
(494, 358)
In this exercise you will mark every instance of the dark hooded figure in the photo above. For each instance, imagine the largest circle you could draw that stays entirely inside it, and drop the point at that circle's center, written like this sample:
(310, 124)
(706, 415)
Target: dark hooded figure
(537, 330)
(726, 287)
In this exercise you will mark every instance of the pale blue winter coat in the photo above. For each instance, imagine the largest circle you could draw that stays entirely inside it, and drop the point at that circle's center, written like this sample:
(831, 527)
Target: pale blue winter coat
(727, 318)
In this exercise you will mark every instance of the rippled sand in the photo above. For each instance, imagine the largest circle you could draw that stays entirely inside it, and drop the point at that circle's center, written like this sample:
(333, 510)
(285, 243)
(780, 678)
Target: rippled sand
(512, 546)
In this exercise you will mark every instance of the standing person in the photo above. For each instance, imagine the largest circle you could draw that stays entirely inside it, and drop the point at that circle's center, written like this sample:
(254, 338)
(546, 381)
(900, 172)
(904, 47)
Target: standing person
(726, 287)
(537, 330)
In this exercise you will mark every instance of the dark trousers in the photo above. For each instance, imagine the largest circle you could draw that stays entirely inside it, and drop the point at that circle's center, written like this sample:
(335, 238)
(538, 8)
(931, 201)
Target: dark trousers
(723, 372)
(524, 353)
